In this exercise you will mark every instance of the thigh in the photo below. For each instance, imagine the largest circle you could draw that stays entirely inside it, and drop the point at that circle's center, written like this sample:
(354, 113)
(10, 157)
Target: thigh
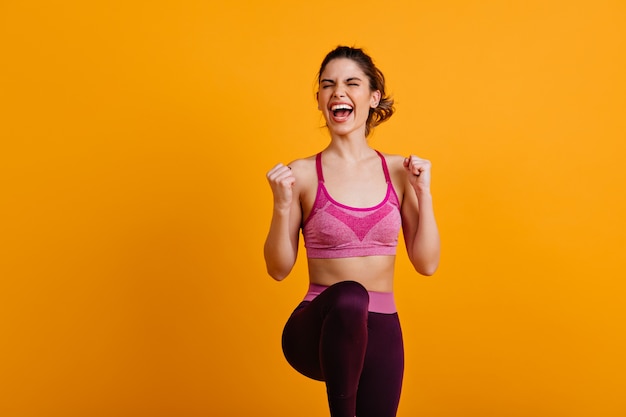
(303, 331)
(301, 339)
(381, 379)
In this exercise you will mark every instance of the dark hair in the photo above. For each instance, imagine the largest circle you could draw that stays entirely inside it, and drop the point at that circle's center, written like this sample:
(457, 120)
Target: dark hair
(385, 108)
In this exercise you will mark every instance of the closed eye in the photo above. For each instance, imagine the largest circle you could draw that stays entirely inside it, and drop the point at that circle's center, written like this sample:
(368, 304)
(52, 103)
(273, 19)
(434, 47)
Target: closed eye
(326, 83)
(354, 81)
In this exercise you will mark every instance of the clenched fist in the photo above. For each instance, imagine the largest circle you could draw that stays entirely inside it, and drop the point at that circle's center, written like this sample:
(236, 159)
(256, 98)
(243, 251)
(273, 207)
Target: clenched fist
(281, 180)
(418, 171)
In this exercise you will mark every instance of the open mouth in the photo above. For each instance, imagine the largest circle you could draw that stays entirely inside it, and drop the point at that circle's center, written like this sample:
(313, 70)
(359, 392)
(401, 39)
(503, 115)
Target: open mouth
(341, 111)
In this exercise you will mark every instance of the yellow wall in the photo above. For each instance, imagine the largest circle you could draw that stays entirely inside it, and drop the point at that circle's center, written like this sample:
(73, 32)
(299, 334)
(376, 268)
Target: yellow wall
(135, 137)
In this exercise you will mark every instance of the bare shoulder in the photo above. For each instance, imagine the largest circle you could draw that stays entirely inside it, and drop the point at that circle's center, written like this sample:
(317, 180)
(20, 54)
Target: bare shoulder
(303, 167)
(395, 164)
(303, 163)
(394, 161)
(303, 170)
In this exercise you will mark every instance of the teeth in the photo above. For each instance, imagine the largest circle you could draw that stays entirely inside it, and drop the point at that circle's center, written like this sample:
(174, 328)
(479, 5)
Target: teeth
(341, 107)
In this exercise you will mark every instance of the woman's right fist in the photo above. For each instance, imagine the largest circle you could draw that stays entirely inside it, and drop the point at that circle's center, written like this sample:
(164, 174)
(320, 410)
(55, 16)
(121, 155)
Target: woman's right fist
(281, 180)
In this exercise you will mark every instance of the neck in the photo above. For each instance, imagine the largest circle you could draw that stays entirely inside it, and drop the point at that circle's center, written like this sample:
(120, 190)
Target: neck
(349, 149)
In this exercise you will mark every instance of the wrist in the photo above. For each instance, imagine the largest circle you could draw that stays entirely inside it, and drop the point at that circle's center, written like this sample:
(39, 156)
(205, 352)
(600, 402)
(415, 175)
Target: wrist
(281, 210)
(423, 193)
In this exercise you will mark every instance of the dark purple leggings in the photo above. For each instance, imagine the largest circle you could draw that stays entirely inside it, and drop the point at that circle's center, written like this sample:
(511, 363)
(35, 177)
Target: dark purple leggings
(359, 354)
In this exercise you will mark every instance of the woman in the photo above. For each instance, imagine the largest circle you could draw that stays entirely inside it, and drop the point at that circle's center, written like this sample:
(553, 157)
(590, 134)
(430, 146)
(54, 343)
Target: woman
(350, 202)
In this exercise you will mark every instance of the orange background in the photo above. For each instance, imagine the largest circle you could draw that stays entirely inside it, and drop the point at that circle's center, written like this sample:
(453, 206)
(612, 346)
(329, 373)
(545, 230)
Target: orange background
(135, 137)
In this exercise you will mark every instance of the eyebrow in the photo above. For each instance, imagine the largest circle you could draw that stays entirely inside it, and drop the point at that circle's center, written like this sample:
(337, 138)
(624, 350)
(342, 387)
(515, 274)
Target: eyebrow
(347, 80)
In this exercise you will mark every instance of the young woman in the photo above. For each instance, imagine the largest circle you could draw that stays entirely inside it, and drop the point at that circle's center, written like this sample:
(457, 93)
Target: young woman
(350, 202)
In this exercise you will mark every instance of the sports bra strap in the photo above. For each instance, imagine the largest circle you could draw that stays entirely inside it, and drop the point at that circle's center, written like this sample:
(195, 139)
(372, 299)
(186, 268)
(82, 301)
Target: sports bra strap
(318, 166)
(387, 177)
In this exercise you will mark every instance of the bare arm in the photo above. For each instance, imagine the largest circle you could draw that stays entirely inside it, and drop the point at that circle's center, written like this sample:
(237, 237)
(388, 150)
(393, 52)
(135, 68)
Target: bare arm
(281, 244)
(418, 217)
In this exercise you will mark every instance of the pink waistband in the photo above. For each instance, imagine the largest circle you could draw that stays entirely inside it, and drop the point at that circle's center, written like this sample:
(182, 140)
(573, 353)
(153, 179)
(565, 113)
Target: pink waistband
(380, 302)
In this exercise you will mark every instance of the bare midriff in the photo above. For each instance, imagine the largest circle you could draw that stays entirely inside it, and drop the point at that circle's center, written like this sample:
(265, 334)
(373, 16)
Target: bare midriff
(375, 273)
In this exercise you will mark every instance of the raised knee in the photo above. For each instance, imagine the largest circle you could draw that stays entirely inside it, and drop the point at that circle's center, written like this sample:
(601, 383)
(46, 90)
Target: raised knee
(350, 296)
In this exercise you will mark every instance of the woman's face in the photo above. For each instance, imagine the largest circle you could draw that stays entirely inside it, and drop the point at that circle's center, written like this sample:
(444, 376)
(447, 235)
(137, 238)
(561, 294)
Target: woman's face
(344, 96)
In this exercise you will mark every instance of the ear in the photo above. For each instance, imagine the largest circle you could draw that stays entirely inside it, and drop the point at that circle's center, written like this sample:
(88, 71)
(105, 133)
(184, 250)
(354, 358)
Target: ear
(317, 98)
(375, 99)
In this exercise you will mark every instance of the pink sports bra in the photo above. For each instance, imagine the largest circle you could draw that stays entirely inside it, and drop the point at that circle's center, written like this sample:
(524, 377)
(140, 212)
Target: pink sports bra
(334, 230)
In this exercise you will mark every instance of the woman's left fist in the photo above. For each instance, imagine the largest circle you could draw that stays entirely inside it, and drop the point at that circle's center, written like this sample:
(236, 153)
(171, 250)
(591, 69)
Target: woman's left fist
(418, 171)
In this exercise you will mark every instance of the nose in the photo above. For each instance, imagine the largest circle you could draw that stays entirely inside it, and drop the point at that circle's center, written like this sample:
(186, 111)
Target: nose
(338, 92)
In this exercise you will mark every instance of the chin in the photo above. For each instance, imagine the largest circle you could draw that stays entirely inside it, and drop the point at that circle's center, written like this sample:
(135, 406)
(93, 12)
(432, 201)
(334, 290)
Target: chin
(346, 129)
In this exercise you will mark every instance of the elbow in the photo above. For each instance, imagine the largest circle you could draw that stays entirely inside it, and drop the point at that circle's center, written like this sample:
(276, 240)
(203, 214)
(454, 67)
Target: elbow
(426, 268)
(278, 274)
(277, 267)
(426, 262)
